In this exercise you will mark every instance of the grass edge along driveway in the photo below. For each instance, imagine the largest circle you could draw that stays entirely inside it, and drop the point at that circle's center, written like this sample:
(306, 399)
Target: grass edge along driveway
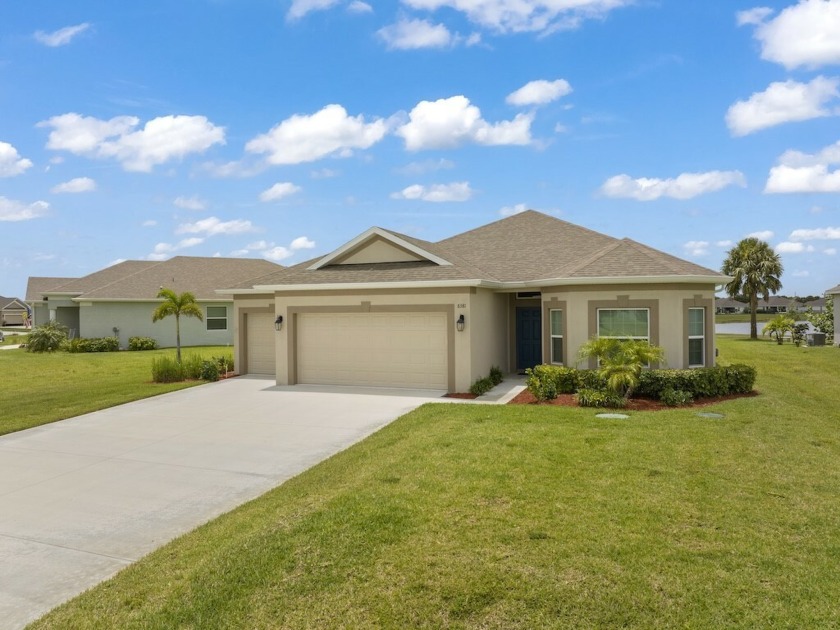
(521, 517)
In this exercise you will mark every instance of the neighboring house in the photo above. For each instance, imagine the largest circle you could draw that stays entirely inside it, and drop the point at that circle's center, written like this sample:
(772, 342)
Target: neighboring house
(119, 300)
(817, 306)
(386, 309)
(834, 294)
(12, 311)
(776, 304)
(729, 305)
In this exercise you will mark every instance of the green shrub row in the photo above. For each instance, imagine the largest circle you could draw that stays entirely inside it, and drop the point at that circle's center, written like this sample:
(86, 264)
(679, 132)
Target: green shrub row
(142, 343)
(546, 382)
(92, 344)
(676, 397)
(193, 367)
(486, 383)
(709, 382)
(600, 398)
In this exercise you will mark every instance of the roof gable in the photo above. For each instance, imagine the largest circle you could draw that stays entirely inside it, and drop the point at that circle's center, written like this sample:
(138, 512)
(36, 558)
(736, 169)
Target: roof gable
(379, 246)
(36, 286)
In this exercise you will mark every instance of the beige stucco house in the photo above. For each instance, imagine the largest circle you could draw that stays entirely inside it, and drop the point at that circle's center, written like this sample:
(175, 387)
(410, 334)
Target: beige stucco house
(119, 300)
(834, 293)
(13, 312)
(386, 309)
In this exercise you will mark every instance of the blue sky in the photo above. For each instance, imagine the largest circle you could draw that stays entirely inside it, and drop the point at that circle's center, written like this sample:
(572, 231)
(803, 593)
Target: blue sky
(282, 129)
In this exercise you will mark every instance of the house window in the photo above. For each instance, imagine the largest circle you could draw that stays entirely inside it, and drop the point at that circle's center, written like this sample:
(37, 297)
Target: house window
(556, 316)
(624, 323)
(696, 337)
(216, 318)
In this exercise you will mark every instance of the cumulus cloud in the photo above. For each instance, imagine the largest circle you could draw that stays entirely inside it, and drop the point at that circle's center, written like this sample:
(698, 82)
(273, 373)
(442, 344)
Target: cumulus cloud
(786, 247)
(506, 16)
(685, 186)
(160, 140)
(62, 36)
(450, 122)
(12, 210)
(696, 248)
(753, 16)
(149, 223)
(799, 172)
(162, 251)
(425, 166)
(509, 211)
(275, 252)
(212, 226)
(726, 243)
(539, 92)
(279, 190)
(190, 203)
(802, 35)
(781, 102)
(816, 234)
(761, 235)
(76, 185)
(357, 6)
(329, 131)
(300, 8)
(456, 191)
(411, 34)
(11, 163)
(301, 242)
(830, 251)
(324, 173)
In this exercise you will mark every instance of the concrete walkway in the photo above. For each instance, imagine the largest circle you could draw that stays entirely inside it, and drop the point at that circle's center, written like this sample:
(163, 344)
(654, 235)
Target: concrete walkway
(82, 498)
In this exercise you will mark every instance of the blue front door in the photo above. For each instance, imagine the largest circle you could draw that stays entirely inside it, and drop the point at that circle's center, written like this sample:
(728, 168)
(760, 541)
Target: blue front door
(528, 337)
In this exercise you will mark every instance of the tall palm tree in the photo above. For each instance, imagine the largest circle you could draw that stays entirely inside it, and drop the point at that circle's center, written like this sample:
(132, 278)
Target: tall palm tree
(755, 269)
(177, 305)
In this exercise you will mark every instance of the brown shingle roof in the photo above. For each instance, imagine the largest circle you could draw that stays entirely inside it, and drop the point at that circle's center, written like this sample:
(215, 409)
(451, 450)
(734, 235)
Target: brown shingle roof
(834, 290)
(36, 286)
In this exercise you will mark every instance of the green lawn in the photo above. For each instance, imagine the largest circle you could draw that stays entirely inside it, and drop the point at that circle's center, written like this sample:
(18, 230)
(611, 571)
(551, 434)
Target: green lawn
(42, 388)
(740, 318)
(460, 516)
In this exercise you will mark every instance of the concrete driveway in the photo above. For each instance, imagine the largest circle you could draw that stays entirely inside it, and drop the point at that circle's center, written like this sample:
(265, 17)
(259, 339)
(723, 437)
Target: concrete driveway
(82, 498)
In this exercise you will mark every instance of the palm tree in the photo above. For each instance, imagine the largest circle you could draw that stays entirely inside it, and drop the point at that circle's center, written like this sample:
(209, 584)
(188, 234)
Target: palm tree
(755, 269)
(177, 305)
(621, 361)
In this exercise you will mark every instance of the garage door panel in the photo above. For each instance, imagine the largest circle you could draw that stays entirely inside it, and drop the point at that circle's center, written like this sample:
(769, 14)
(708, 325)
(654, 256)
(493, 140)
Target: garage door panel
(373, 349)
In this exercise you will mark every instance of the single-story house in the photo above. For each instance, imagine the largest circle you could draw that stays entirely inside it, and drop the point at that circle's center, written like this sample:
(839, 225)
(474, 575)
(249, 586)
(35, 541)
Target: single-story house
(386, 309)
(817, 306)
(730, 305)
(119, 300)
(834, 293)
(13, 312)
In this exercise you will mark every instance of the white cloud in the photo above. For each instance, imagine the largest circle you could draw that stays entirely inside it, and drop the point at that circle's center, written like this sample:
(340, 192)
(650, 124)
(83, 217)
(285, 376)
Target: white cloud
(324, 173)
(149, 223)
(509, 211)
(696, 248)
(786, 247)
(357, 6)
(212, 226)
(830, 251)
(802, 35)
(329, 131)
(685, 186)
(12, 210)
(782, 102)
(801, 274)
(817, 234)
(762, 235)
(62, 36)
(753, 16)
(11, 163)
(163, 251)
(278, 253)
(300, 8)
(76, 185)
(235, 168)
(425, 166)
(450, 122)
(724, 243)
(279, 190)
(414, 34)
(161, 139)
(525, 15)
(301, 242)
(539, 92)
(456, 191)
(190, 203)
(804, 172)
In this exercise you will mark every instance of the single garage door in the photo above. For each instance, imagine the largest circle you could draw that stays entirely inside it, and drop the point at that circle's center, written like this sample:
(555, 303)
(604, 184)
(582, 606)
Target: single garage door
(373, 349)
(260, 343)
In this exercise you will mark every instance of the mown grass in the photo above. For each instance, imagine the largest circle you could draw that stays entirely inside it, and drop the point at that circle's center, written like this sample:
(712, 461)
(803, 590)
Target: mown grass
(461, 516)
(741, 318)
(42, 388)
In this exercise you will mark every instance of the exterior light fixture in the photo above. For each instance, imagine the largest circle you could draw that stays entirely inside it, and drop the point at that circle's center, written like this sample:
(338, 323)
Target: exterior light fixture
(460, 323)
(278, 323)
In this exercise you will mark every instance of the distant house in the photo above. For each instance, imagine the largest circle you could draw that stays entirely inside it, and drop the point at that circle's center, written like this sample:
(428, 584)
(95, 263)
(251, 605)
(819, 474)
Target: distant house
(119, 300)
(13, 311)
(776, 304)
(818, 305)
(834, 293)
(729, 306)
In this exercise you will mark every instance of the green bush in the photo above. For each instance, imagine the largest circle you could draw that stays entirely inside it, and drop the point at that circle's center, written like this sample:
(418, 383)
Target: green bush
(92, 344)
(496, 375)
(142, 343)
(600, 398)
(710, 382)
(590, 379)
(209, 371)
(481, 386)
(225, 363)
(47, 337)
(166, 370)
(545, 382)
(676, 397)
(192, 365)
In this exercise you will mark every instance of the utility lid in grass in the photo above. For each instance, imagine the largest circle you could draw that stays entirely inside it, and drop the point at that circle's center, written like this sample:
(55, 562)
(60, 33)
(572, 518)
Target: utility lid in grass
(612, 416)
(709, 414)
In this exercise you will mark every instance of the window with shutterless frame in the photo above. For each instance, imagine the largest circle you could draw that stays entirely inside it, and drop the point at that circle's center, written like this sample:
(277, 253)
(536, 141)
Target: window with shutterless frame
(216, 318)
(624, 323)
(556, 323)
(696, 337)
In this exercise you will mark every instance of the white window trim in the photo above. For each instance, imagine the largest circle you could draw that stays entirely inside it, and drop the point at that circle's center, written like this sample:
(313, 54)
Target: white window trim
(207, 319)
(619, 308)
(553, 336)
(703, 337)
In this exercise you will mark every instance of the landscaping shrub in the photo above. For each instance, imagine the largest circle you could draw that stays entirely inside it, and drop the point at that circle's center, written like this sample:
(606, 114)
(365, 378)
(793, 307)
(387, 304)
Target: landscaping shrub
(481, 386)
(141, 343)
(710, 382)
(676, 397)
(590, 379)
(545, 382)
(209, 371)
(496, 375)
(92, 344)
(47, 337)
(192, 365)
(225, 363)
(600, 398)
(166, 370)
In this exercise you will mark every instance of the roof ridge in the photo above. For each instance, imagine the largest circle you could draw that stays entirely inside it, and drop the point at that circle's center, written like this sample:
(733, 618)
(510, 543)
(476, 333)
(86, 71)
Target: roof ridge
(576, 265)
(123, 278)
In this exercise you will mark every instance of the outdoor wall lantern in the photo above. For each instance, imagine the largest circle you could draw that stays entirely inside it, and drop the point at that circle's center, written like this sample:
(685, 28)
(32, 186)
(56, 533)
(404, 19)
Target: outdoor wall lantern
(460, 323)
(278, 323)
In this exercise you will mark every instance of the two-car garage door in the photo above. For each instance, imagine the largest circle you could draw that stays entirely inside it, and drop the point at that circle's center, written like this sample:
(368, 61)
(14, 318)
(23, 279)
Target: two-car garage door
(373, 349)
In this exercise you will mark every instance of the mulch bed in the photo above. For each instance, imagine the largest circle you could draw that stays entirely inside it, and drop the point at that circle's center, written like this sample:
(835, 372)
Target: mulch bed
(634, 404)
(465, 396)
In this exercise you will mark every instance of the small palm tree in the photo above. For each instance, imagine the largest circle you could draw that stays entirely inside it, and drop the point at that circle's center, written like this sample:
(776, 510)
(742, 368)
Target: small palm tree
(177, 305)
(755, 269)
(621, 361)
(779, 326)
